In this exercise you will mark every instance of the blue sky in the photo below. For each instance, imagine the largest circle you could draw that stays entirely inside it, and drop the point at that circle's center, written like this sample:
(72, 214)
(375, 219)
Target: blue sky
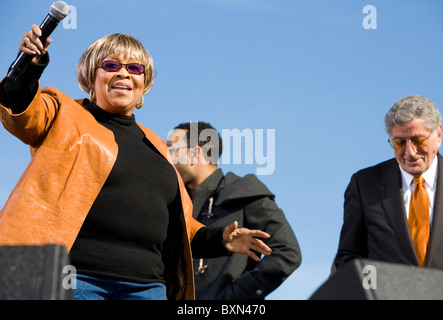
(307, 69)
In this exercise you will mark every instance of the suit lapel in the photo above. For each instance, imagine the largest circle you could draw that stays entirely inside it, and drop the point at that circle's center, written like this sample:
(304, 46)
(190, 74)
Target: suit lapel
(436, 239)
(391, 193)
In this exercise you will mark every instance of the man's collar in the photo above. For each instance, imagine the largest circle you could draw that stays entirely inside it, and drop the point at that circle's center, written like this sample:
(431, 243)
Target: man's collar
(430, 175)
(213, 180)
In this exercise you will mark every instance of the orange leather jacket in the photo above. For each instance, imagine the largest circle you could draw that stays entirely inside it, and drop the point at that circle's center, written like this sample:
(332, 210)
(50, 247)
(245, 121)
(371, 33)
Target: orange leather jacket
(72, 156)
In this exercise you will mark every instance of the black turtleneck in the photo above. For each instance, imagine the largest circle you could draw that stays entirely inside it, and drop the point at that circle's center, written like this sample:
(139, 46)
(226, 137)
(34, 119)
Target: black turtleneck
(124, 231)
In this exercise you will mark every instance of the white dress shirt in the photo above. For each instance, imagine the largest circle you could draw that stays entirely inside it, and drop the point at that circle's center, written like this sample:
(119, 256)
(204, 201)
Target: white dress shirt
(430, 177)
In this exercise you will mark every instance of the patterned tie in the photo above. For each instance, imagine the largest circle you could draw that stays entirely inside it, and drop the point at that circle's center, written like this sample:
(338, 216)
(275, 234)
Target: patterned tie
(419, 223)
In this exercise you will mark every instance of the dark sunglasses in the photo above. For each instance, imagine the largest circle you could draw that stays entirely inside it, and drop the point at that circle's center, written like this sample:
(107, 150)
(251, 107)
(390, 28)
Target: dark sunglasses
(417, 141)
(113, 66)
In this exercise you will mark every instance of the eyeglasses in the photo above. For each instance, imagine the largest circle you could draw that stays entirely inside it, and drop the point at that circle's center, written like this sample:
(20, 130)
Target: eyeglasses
(113, 66)
(173, 149)
(416, 141)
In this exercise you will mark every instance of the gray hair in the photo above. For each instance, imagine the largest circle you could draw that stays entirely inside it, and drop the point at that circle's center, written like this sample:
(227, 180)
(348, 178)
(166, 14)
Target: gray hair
(410, 108)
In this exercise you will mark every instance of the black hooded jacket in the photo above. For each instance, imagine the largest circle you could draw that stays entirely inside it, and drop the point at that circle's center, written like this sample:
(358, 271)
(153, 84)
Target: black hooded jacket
(219, 202)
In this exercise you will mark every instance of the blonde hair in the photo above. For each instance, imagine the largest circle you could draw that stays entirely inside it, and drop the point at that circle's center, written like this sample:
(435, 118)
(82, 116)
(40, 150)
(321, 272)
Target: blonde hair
(117, 44)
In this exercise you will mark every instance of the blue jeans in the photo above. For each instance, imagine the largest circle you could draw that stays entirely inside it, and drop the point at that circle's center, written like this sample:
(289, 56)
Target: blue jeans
(98, 288)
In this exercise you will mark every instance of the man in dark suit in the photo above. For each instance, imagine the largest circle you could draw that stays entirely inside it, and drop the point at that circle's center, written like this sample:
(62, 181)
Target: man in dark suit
(379, 206)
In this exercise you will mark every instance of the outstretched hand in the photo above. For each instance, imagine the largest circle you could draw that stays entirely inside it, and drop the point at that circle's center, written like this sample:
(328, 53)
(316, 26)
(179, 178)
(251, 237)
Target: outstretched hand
(243, 240)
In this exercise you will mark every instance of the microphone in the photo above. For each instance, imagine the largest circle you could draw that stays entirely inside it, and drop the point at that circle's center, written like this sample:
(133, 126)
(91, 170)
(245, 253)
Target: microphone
(57, 12)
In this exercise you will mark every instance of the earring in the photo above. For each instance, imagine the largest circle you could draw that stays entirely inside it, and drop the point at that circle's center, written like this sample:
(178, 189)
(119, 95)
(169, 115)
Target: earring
(91, 95)
(140, 104)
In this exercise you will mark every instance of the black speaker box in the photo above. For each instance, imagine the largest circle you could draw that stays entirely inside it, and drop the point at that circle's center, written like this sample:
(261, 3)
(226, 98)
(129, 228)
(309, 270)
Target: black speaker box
(34, 273)
(363, 279)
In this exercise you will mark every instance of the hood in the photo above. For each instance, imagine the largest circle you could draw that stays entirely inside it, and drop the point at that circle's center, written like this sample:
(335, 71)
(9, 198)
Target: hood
(241, 189)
